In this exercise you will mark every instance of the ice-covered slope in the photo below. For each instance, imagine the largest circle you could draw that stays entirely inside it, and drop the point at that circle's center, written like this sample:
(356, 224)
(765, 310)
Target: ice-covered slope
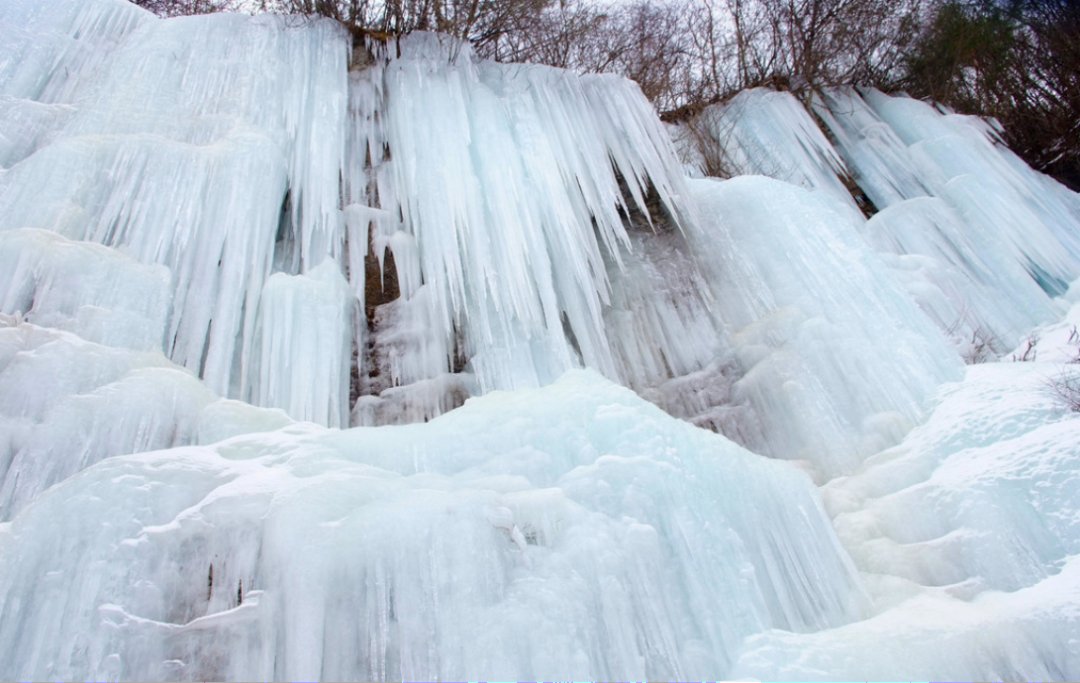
(201, 214)
(833, 360)
(527, 535)
(967, 533)
(370, 236)
(980, 240)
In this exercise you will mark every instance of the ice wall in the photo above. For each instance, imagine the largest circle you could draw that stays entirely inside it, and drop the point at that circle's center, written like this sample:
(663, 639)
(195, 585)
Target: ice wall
(296, 214)
(988, 240)
(234, 153)
(177, 143)
(832, 356)
(364, 234)
(982, 242)
(574, 528)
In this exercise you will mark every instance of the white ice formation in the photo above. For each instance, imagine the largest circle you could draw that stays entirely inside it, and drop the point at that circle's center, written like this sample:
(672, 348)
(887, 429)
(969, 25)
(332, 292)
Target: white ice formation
(224, 240)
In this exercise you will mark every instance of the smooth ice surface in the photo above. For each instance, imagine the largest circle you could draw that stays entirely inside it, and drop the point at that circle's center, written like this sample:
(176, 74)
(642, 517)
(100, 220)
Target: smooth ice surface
(574, 528)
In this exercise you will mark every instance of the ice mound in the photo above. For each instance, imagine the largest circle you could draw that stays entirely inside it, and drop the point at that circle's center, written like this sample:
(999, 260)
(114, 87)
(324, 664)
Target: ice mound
(92, 291)
(1024, 635)
(967, 534)
(574, 528)
(89, 402)
(834, 358)
(982, 496)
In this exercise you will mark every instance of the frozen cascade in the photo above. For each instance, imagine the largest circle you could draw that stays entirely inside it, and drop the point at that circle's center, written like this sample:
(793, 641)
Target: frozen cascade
(309, 317)
(763, 132)
(52, 52)
(146, 154)
(182, 143)
(991, 226)
(809, 309)
(90, 402)
(976, 293)
(1035, 218)
(544, 224)
(579, 530)
(511, 207)
(981, 241)
(665, 318)
(254, 208)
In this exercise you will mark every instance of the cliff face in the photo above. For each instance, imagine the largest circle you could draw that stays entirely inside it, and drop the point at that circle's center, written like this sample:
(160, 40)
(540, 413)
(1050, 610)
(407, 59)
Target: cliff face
(229, 227)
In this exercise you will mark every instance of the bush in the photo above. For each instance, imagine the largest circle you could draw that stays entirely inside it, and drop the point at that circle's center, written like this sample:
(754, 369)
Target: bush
(1066, 389)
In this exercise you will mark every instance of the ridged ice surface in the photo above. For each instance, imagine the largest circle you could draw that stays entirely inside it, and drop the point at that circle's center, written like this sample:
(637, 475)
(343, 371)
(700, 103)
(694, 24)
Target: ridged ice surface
(574, 527)
(809, 310)
(967, 219)
(961, 221)
(224, 240)
(968, 534)
(89, 402)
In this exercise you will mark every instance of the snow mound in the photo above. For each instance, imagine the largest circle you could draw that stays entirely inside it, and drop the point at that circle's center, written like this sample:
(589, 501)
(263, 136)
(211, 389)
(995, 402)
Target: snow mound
(968, 536)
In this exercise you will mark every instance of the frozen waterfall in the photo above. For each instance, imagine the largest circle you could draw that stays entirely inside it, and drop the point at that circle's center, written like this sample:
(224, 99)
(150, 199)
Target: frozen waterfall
(240, 255)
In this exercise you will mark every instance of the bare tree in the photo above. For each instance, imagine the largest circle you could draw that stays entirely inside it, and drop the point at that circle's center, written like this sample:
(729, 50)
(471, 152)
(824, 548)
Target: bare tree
(482, 22)
(174, 8)
(1018, 62)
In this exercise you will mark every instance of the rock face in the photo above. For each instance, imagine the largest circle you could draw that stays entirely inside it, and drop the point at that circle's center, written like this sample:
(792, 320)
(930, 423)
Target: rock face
(224, 240)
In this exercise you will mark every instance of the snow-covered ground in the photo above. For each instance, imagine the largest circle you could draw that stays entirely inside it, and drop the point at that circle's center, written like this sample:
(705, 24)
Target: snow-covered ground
(225, 239)
(967, 537)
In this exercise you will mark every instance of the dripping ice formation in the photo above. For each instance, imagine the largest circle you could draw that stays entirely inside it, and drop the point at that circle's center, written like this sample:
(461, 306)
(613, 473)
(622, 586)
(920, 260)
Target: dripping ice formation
(225, 240)
(356, 562)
